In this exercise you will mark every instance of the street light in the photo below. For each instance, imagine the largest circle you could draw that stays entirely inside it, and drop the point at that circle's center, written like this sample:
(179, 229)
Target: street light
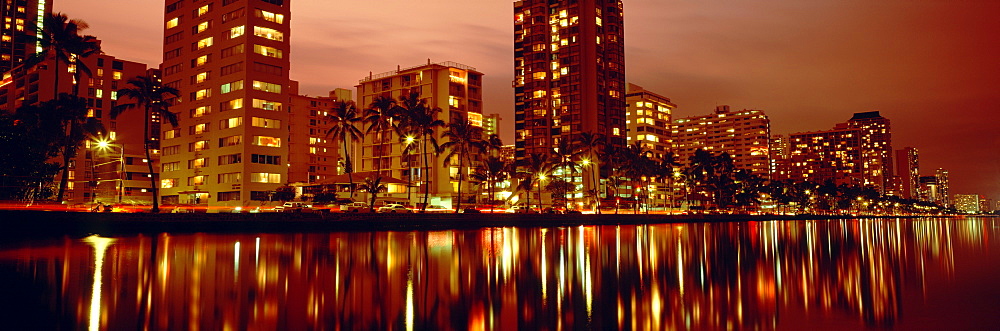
(106, 146)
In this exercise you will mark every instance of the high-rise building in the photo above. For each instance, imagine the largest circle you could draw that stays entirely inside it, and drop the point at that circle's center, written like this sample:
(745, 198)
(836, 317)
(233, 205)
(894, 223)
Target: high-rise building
(115, 172)
(908, 170)
(857, 152)
(491, 125)
(457, 90)
(648, 117)
(312, 155)
(569, 73)
(20, 18)
(745, 135)
(944, 199)
(929, 190)
(969, 203)
(229, 60)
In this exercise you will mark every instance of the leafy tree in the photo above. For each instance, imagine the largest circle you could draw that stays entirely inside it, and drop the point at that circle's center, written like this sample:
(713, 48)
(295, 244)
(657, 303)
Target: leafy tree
(71, 111)
(148, 93)
(559, 188)
(492, 171)
(344, 119)
(421, 121)
(28, 139)
(381, 117)
(564, 157)
(60, 39)
(590, 145)
(283, 193)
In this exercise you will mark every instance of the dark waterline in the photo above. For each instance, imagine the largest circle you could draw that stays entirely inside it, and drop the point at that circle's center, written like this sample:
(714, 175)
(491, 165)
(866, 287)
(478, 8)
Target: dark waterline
(825, 274)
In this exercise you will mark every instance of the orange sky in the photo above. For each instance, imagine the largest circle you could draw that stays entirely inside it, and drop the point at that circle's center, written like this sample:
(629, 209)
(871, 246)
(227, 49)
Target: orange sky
(930, 66)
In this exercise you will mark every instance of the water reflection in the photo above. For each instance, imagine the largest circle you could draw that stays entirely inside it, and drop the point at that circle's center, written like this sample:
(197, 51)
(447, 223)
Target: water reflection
(706, 276)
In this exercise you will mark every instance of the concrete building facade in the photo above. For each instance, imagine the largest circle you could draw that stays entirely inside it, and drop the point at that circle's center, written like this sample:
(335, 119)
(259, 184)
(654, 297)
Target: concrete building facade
(454, 88)
(857, 152)
(648, 118)
(230, 61)
(745, 135)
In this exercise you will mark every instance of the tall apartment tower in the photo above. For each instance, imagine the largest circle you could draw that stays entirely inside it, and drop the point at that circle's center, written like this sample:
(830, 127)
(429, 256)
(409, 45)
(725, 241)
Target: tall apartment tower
(908, 170)
(744, 135)
(569, 73)
(229, 60)
(876, 149)
(491, 125)
(942, 180)
(456, 89)
(19, 17)
(312, 156)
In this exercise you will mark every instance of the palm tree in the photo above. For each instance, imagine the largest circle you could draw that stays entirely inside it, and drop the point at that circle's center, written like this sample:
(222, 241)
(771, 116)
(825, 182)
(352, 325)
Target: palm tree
(637, 165)
(492, 171)
(59, 38)
(373, 186)
(417, 120)
(666, 167)
(380, 116)
(493, 144)
(531, 172)
(77, 126)
(149, 94)
(463, 139)
(564, 156)
(590, 146)
(344, 119)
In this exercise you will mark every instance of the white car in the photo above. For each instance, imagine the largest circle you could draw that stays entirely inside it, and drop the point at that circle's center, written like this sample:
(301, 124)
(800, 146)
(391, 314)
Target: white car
(394, 208)
(437, 209)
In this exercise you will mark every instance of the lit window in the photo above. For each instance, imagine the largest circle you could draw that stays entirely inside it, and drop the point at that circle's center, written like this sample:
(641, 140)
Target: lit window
(231, 122)
(117, 75)
(263, 177)
(268, 33)
(267, 141)
(266, 87)
(203, 93)
(205, 42)
(237, 31)
(539, 94)
(202, 27)
(267, 51)
(265, 123)
(229, 87)
(202, 10)
(168, 182)
(201, 60)
(271, 17)
(266, 105)
(200, 111)
(538, 75)
(201, 77)
(173, 22)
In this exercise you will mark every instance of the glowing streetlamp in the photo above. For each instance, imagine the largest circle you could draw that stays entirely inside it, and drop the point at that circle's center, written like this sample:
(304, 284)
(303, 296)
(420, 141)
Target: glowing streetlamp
(106, 146)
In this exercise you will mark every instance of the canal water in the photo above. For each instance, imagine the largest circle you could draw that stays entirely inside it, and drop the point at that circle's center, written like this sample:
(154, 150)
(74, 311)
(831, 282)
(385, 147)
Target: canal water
(932, 273)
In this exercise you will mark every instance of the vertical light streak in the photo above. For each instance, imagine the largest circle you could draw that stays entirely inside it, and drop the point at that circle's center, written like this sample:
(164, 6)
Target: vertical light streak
(256, 252)
(544, 277)
(100, 245)
(236, 261)
(409, 299)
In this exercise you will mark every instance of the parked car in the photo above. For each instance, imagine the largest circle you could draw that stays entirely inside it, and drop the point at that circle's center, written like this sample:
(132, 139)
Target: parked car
(521, 210)
(394, 208)
(354, 207)
(290, 207)
(437, 209)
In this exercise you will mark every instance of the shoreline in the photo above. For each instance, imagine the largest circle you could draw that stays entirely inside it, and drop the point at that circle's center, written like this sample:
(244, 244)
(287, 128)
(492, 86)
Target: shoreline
(42, 223)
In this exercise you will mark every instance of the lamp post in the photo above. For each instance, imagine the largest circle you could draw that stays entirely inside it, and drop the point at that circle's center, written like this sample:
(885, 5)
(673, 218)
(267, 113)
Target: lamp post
(105, 145)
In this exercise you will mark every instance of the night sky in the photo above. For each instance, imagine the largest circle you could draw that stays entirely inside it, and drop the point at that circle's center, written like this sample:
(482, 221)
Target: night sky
(930, 66)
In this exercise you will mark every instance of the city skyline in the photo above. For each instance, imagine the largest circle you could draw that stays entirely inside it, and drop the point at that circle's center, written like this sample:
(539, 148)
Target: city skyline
(782, 57)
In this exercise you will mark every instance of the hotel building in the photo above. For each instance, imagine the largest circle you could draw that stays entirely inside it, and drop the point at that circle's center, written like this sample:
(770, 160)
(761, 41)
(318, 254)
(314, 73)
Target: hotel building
(491, 125)
(457, 90)
(229, 60)
(569, 74)
(744, 135)
(858, 152)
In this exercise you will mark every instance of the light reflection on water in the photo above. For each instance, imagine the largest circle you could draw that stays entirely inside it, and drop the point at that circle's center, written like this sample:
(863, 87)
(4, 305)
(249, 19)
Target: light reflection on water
(789, 274)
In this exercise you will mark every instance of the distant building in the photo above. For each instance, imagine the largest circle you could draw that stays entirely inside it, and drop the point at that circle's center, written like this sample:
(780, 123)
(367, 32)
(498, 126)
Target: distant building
(969, 203)
(19, 18)
(507, 153)
(230, 61)
(745, 135)
(491, 125)
(944, 198)
(117, 171)
(453, 87)
(857, 152)
(908, 171)
(929, 190)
